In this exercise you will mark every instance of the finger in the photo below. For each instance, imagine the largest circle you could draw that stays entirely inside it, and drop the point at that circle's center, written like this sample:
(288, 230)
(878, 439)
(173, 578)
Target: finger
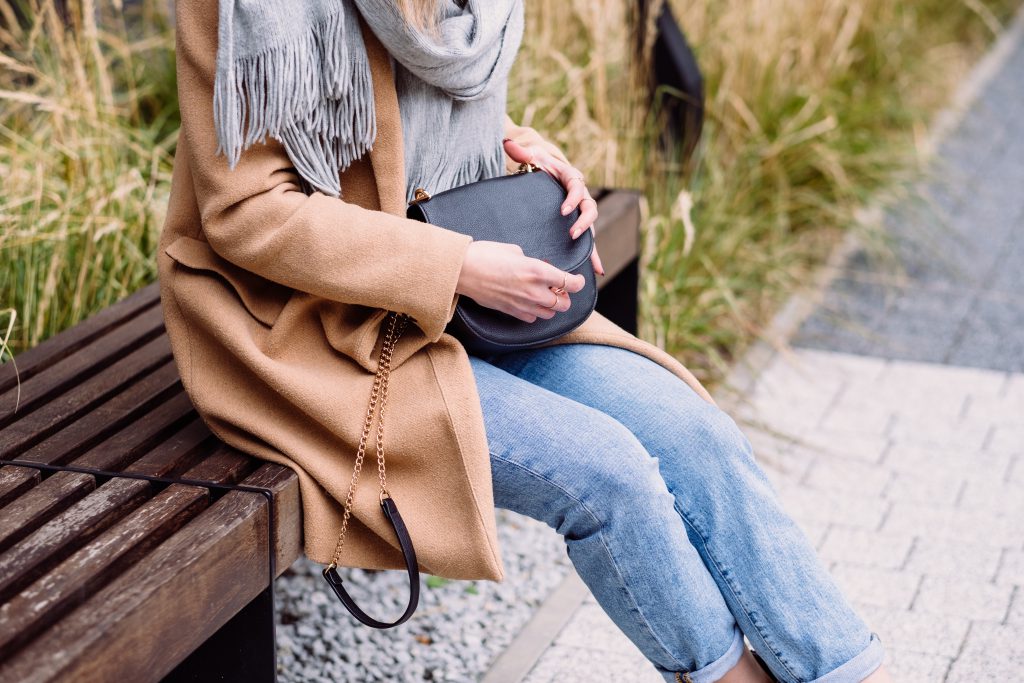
(521, 153)
(588, 214)
(596, 261)
(553, 277)
(545, 312)
(577, 191)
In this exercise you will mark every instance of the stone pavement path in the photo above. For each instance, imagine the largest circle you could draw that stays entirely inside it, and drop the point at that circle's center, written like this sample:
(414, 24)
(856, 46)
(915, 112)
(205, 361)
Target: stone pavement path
(893, 430)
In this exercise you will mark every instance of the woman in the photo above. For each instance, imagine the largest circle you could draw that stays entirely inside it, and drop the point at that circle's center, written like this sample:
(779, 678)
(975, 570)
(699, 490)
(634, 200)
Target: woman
(305, 129)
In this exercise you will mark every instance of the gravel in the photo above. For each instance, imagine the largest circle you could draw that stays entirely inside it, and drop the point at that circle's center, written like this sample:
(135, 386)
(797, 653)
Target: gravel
(459, 628)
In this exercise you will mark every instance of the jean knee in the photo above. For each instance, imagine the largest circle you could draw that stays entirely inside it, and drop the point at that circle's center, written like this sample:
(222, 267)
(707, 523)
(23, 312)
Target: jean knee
(616, 472)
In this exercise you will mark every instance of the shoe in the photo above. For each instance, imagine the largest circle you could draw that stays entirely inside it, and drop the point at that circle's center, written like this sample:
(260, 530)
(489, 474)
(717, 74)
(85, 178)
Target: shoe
(764, 666)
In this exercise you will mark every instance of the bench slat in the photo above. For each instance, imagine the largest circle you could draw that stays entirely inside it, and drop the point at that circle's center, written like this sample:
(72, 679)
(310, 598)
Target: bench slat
(52, 496)
(143, 610)
(14, 481)
(75, 369)
(287, 522)
(177, 453)
(68, 407)
(141, 436)
(223, 466)
(38, 552)
(123, 410)
(60, 346)
(90, 568)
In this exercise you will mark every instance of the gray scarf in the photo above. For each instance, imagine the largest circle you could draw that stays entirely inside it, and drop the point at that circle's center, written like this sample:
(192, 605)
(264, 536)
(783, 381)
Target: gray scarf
(297, 71)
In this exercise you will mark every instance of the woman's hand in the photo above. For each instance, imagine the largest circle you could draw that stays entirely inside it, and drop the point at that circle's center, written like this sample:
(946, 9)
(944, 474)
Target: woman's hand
(497, 275)
(539, 154)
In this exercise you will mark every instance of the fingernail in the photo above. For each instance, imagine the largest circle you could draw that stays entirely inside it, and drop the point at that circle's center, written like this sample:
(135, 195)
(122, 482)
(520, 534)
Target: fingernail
(566, 209)
(504, 140)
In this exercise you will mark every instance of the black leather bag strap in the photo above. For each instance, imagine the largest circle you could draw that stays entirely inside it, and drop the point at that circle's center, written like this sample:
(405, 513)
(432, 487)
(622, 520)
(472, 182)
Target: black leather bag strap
(333, 578)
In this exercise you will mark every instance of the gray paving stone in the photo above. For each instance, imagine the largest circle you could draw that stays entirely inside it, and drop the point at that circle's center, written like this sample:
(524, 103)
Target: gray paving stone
(915, 667)
(925, 486)
(1016, 615)
(993, 652)
(806, 504)
(894, 589)
(955, 559)
(851, 477)
(1011, 572)
(591, 628)
(985, 342)
(828, 444)
(916, 632)
(870, 548)
(962, 598)
(932, 430)
(1007, 439)
(937, 521)
(984, 465)
(995, 498)
(918, 377)
(1009, 278)
(561, 664)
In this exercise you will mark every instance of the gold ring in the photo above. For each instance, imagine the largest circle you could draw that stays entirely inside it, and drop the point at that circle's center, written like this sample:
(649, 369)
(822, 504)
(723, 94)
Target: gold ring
(560, 290)
(552, 306)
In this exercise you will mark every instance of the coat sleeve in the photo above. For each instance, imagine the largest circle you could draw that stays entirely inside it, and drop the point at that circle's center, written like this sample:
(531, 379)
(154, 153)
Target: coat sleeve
(257, 216)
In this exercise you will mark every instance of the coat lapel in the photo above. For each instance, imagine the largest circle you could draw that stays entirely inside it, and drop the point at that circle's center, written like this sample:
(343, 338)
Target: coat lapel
(387, 155)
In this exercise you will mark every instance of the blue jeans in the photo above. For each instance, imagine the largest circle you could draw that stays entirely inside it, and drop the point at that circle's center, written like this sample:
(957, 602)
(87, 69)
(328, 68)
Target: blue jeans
(666, 515)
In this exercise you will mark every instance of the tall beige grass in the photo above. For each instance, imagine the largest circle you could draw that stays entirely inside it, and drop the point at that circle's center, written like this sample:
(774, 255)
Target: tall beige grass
(87, 127)
(813, 107)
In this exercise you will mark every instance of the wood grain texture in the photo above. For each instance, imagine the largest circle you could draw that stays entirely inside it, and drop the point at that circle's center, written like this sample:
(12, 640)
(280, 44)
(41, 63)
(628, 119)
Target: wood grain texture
(48, 545)
(91, 567)
(161, 608)
(33, 361)
(53, 495)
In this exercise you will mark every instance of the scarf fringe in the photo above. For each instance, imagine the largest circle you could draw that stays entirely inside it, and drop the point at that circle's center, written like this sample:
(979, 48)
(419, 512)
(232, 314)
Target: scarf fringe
(315, 94)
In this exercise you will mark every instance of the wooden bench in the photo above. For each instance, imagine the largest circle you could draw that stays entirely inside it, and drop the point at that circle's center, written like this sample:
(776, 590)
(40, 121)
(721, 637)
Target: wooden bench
(134, 545)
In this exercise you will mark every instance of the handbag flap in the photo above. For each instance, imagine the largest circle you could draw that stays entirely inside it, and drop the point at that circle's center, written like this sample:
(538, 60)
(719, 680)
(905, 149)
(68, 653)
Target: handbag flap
(523, 209)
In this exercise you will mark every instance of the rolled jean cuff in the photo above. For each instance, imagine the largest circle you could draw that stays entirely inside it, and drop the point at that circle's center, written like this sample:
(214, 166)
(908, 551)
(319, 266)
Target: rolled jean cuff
(716, 669)
(858, 668)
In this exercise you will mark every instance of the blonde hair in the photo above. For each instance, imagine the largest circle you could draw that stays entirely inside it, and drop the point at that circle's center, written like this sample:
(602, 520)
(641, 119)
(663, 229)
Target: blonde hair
(419, 13)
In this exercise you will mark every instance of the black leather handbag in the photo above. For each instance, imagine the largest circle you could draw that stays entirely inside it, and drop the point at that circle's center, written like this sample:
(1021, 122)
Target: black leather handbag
(523, 208)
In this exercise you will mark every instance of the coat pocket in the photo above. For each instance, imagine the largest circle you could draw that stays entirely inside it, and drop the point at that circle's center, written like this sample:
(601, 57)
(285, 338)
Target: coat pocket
(262, 298)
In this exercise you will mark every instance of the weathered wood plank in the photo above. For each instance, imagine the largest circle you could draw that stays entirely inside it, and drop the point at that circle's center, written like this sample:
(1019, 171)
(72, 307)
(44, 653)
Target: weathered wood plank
(14, 481)
(55, 494)
(41, 550)
(218, 560)
(44, 602)
(74, 369)
(177, 453)
(69, 406)
(122, 411)
(617, 231)
(32, 361)
(284, 485)
(224, 466)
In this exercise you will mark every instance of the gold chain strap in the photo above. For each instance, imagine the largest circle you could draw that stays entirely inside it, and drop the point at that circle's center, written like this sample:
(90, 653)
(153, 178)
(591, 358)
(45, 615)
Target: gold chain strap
(395, 327)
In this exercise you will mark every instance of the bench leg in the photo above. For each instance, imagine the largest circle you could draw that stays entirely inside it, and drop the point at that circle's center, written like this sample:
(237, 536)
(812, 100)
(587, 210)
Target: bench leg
(242, 651)
(617, 299)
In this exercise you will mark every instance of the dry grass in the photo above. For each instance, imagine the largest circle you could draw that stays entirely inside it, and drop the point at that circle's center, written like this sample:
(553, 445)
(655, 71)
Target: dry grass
(86, 132)
(814, 107)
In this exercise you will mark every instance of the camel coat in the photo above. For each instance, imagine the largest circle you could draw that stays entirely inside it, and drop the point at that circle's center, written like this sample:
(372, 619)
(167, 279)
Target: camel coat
(273, 302)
